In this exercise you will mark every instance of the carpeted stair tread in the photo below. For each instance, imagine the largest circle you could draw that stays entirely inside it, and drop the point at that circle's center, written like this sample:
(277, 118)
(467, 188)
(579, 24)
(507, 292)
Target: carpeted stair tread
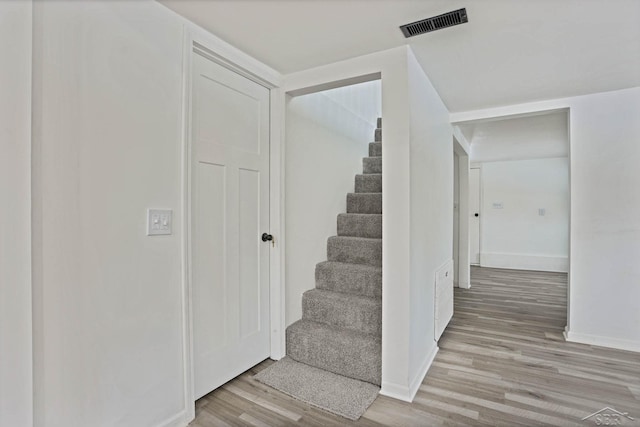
(379, 122)
(356, 279)
(366, 203)
(372, 165)
(375, 149)
(369, 183)
(355, 250)
(378, 135)
(352, 312)
(337, 350)
(360, 225)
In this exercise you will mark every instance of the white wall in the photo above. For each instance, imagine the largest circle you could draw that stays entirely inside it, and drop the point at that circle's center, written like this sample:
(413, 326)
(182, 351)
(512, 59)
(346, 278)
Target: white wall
(327, 135)
(604, 275)
(431, 163)
(514, 234)
(15, 214)
(107, 145)
(605, 221)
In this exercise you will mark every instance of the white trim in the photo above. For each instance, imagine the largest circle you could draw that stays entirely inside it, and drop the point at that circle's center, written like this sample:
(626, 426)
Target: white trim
(570, 220)
(601, 341)
(407, 393)
(525, 262)
(215, 49)
(511, 111)
(228, 56)
(277, 225)
(464, 146)
(187, 318)
(181, 419)
(334, 84)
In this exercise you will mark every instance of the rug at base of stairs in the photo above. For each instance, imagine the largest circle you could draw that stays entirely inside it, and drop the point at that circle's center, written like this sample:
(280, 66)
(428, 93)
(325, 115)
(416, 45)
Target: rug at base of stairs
(334, 393)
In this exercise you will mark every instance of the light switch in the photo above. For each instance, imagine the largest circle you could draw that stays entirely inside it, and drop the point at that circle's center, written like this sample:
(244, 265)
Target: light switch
(542, 212)
(159, 221)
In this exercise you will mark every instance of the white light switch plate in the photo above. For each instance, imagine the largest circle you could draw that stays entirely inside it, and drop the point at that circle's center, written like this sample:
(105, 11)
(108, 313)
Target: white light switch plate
(159, 222)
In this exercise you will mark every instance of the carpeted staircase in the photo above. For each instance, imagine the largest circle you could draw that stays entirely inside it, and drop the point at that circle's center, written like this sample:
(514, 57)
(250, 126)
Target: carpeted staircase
(340, 329)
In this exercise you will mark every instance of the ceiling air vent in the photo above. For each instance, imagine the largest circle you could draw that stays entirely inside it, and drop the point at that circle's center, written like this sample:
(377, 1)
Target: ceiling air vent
(434, 23)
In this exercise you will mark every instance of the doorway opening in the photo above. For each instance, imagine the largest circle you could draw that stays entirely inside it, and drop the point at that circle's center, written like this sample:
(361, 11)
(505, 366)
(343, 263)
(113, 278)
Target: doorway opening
(519, 189)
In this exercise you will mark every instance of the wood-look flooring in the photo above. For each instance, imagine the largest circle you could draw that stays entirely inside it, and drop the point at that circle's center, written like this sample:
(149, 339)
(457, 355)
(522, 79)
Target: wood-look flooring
(502, 361)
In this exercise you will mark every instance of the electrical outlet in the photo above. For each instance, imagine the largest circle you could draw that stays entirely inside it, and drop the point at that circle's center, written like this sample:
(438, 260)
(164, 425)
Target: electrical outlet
(159, 222)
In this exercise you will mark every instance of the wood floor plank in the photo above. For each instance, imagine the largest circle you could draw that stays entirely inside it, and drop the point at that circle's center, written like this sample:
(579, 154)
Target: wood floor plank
(503, 361)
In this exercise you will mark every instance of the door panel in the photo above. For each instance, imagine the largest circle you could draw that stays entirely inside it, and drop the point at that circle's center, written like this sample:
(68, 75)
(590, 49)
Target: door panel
(250, 245)
(230, 210)
(210, 302)
(239, 108)
(474, 220)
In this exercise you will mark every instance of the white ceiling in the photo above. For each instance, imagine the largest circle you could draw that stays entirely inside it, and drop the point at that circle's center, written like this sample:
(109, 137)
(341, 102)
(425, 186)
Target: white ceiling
(509, 52)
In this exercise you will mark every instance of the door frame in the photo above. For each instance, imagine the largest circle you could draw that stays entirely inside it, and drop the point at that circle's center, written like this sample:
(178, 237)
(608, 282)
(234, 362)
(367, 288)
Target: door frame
(478, 166)
(233, 59)
(461, 148)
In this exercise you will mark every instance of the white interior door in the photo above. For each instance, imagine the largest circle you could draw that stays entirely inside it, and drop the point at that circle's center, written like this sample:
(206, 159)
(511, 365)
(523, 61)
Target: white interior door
(230, 211)
(474, 211)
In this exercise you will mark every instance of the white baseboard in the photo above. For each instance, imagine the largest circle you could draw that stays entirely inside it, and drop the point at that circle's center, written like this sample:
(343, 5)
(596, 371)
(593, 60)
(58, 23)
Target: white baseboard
(601, 341)
(179, 420)
(406, 393)
(525, 262)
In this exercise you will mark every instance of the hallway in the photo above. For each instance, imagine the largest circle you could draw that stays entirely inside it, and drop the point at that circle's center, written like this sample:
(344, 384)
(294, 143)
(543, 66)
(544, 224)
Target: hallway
(502, 361)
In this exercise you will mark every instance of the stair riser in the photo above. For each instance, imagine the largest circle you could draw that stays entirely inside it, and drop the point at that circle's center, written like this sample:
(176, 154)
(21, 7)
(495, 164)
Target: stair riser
(371, 183)
(372, 165)
(355, 251)
(362, 315)
(366, 203)
(360, 360)
(355, 225)
(375, 149)
(349, 278)
(378, 135)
